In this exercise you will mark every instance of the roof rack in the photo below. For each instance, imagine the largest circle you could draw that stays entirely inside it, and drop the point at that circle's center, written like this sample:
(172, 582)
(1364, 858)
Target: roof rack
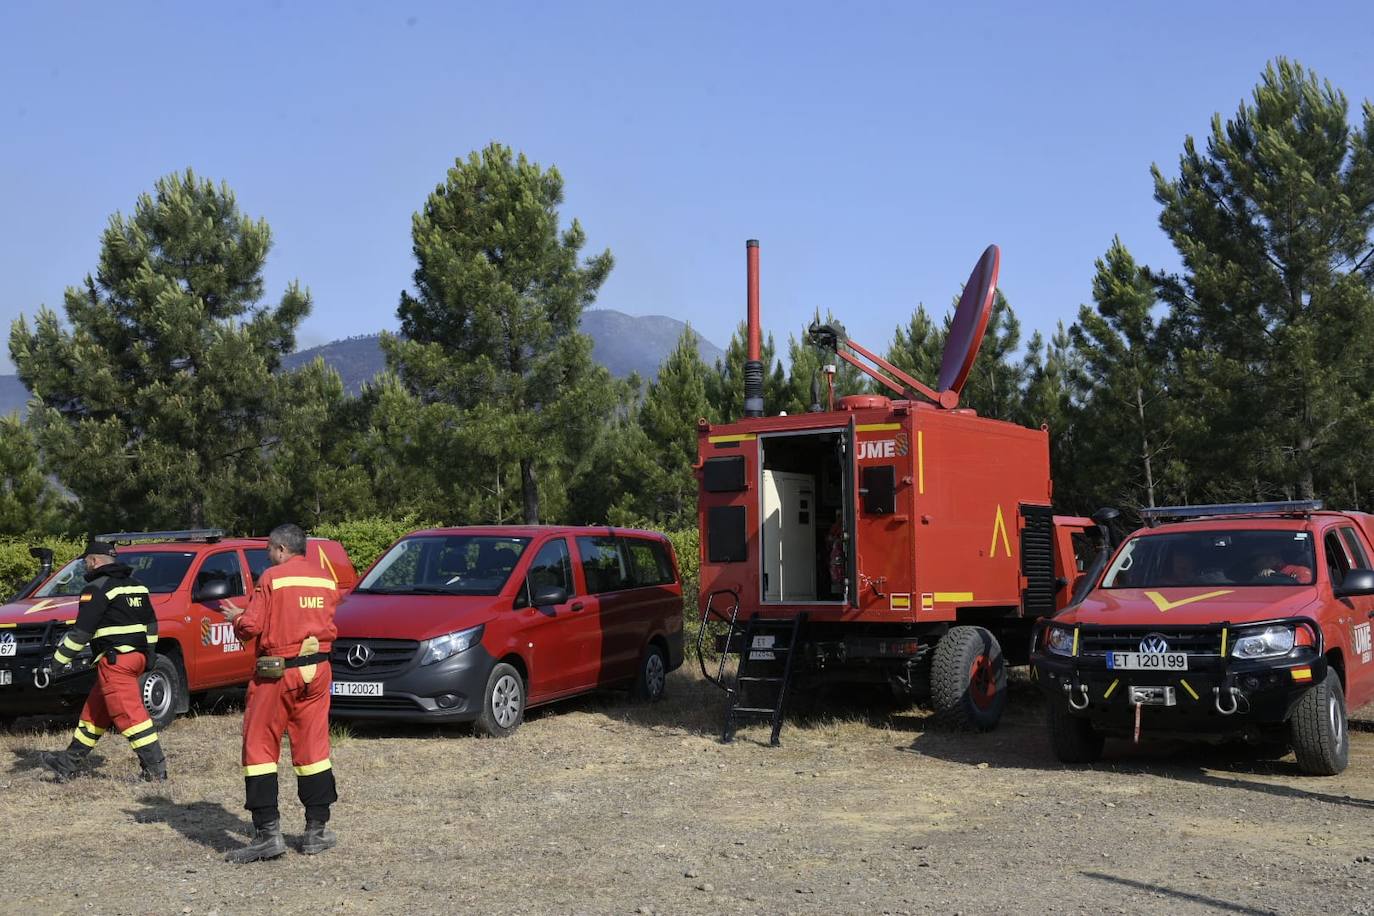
(209, 535)
(1156, 514)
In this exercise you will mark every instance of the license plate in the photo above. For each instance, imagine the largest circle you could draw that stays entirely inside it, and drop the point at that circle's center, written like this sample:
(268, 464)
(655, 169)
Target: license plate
(8, 648)
(6, 677)
(357, 688)
(759, 648)
(1155, 661)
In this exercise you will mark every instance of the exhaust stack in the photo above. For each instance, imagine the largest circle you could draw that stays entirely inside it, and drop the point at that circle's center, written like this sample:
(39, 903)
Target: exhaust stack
(753, 364)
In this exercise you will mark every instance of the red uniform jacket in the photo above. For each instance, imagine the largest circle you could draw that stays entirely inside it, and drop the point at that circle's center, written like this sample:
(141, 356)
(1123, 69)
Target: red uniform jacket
(292, 600)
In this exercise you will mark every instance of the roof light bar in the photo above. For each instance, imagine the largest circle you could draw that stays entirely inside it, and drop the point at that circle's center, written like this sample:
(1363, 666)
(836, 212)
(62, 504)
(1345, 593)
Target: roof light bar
(193, 534)
(1287, 507)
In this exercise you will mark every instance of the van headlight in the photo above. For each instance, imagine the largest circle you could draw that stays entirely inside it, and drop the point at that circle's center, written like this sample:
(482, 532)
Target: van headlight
(1059, 640)
(1271, 642)
(450, 644)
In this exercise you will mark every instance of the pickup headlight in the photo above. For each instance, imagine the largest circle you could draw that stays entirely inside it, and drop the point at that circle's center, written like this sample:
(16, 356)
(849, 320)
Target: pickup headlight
(1059, 640)
(1271, 642)
(450, 644)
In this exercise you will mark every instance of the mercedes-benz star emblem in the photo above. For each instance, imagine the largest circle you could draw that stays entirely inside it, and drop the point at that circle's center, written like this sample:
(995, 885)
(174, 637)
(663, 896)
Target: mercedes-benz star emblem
(359, 656)
(1154, 644)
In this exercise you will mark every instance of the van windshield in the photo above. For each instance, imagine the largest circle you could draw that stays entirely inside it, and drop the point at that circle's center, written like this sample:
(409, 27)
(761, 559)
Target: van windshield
(1213, 558)
(446, 564)
(160, 570)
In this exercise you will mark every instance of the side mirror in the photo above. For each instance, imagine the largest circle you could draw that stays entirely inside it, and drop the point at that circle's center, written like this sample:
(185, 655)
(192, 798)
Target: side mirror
(546, 595)
(1357, 582)
(210, 590)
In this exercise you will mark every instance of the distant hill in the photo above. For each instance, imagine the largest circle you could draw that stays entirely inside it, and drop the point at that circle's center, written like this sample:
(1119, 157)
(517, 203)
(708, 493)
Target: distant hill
(622, 343)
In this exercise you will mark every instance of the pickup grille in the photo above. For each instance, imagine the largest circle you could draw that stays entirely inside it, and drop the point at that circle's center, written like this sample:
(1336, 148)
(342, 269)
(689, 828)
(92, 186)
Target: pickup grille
(385, 656)
(1127, 639)
(36, 638)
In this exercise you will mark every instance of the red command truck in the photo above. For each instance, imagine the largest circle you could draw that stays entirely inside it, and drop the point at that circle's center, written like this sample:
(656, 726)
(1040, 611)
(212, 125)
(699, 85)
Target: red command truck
(890, 540)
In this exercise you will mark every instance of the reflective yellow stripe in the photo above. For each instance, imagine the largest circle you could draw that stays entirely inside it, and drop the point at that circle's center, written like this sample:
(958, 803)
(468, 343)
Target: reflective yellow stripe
(1188, 687)
(1074, 651)
(259, 769)
(1223, 642)
(81, 736)
(8, 626)
(876, 427)
(152, 637)
(90, 727)
(61, 657)
(738, 437)
(69, 643)
(303, 582)
(144, 741)
(120, 631)
(125, 590)
(124, 649)
(140, 727)
(310, 769)
(944, 597)
(1108, 694)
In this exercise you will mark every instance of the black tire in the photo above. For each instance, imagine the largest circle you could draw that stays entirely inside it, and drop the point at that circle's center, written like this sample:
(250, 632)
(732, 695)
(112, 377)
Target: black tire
(503, 703)
(1072, 738)
(652, 680)
(968, 679)
(163, 688)
(1318, 729)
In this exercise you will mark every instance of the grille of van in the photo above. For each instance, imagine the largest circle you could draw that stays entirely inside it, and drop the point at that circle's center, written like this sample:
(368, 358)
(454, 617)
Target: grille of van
(380, 657)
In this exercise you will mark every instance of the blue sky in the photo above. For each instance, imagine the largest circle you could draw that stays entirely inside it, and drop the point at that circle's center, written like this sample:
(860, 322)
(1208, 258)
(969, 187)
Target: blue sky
(873, 148)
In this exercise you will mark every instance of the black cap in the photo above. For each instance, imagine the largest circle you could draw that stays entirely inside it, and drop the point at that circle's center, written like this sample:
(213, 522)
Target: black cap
(100, 548)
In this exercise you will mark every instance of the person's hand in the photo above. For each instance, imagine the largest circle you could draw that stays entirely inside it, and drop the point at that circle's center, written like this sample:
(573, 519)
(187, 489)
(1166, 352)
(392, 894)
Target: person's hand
(230, 609)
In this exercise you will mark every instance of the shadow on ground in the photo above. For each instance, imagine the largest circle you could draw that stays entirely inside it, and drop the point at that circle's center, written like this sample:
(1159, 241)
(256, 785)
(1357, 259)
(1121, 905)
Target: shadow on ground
(208, 823)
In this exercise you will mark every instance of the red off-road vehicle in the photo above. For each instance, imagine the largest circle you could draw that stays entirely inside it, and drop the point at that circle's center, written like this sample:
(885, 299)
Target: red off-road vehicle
(1234, 621)
(188, 573)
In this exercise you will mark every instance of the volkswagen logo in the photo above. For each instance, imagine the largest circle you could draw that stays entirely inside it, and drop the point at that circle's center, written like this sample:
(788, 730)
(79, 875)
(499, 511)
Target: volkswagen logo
(7, 644)
(1154, 644)
(359, 656)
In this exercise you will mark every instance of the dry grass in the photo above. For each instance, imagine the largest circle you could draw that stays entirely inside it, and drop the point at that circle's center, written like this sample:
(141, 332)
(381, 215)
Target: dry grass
(600, 805)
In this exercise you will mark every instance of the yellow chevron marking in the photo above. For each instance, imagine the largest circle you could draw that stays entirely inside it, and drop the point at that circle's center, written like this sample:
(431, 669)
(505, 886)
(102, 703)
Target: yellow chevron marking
(1164, 604)
(999, 525)
(48, 603)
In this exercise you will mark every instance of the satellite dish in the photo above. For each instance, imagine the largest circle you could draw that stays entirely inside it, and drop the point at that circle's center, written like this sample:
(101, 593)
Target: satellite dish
(969, 324)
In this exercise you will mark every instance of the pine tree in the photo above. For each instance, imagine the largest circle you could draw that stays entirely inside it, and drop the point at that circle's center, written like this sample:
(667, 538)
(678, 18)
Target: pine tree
(1129, 422)
(725, 385)
(29, 502)
(155, 405)
(1273, 224)
(917, 348)
(492, 327)
(675, 400)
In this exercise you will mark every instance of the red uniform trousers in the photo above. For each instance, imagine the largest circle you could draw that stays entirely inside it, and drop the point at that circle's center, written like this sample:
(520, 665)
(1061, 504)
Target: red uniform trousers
(115, 700)
(288, 704)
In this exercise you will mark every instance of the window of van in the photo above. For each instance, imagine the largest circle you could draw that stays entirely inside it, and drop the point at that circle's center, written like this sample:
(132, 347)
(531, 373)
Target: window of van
(650, 560)
(603, 565)
(446, 564)
(551, 566)
(224, 566)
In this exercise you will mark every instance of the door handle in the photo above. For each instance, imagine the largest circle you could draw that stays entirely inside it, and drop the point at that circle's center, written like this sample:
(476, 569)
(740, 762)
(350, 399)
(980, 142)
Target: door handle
(577, 605)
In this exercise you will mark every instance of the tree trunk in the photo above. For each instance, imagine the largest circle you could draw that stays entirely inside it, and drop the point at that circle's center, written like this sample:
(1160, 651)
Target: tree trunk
(530, 487)
(1145, 449)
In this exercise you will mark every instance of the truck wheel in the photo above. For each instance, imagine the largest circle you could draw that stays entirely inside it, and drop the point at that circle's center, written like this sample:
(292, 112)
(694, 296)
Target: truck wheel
(1073, 738)
(503, 703)
(968, 679)
(653, 676)
(164, 690)
(1318, 730)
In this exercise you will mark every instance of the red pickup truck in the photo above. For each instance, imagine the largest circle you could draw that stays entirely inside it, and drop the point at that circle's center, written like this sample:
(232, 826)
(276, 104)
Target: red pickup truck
(1243, 621)
(196, 650)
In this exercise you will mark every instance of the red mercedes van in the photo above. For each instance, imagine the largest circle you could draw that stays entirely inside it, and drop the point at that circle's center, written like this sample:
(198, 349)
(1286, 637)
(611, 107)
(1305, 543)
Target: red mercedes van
(478, 624)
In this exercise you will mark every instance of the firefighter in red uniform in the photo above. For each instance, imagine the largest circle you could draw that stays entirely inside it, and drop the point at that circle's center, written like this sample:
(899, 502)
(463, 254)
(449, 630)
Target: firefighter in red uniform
(116, 619)
(292, 615)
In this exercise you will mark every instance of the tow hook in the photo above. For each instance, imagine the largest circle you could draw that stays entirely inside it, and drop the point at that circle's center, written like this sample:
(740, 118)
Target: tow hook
(1233, 694)
(42, 677)
(1074, 691)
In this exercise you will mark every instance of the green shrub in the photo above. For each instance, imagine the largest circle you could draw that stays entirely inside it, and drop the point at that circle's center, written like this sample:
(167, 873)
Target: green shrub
(17, 567)
(366, 539)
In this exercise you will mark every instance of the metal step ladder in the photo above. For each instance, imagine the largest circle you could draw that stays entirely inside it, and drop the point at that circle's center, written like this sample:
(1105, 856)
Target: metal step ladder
(766, 656)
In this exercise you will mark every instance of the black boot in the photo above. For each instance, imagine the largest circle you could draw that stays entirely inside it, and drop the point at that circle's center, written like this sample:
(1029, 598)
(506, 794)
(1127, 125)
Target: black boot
(318, 837)
(64, 765)
(267, 844)
(153, 763)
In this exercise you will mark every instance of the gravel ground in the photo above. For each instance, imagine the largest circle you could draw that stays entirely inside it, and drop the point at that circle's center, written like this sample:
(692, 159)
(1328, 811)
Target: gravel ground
(600, 806)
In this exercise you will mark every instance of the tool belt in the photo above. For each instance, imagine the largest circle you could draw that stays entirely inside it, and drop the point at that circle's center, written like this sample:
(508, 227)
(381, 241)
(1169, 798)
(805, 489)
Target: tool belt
(273, 667)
